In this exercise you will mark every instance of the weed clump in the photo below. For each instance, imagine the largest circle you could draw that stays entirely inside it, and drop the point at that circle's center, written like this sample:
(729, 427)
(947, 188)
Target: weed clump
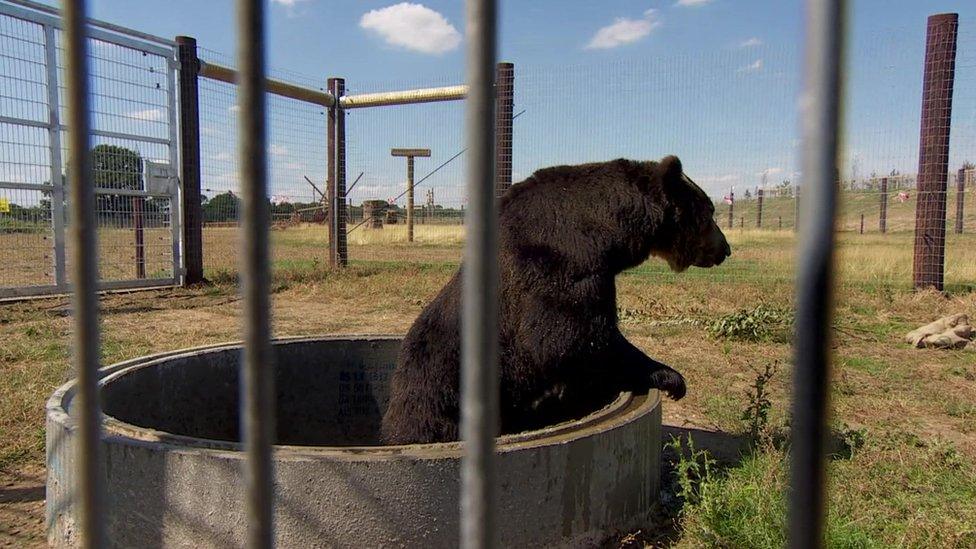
(761, 323)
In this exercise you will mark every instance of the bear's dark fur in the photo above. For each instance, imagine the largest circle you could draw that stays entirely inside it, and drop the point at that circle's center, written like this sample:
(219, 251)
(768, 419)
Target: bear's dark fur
(564, 234)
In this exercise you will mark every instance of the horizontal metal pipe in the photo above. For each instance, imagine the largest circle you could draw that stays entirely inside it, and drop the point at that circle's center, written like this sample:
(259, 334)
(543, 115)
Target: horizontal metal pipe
(50, 290)
(23, 122)
(126, 136)
(221, 73)
(424, 95)
(130, 192)
(14, 185)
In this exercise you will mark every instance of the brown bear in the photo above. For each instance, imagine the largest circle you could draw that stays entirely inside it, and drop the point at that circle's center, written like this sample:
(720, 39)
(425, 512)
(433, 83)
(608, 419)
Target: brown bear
(564, 234)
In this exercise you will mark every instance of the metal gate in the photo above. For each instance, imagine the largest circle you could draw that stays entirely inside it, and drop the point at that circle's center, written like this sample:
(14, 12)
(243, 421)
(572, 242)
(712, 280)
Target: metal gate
(134, 140)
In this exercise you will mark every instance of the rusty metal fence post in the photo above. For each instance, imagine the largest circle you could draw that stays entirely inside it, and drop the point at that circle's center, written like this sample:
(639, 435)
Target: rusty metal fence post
(933, 156)
(336, 179)
(883, 205)
(960, 198)
(504, 108)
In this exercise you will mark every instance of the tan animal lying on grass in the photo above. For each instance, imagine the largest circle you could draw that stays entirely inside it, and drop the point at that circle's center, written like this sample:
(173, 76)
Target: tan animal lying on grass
(951, 332)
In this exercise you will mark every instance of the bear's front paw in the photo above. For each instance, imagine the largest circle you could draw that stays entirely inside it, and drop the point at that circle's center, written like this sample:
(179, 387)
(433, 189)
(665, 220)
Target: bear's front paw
(669, 381)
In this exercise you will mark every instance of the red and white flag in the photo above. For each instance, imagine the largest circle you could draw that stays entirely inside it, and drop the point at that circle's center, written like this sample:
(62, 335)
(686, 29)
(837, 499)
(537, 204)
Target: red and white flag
(902, 196)
(728, 199)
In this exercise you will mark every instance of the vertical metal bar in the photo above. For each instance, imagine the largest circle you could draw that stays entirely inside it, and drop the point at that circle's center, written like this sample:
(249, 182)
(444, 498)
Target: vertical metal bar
(54, 146)
(84, 275)
(933, 153)
(883, 219)
(479, 351)
(258, 369)
(504, 108)
(336, 178)
(137, 223)
(820, 122)
(189, 66)
(960, 198)
(409, 199)
(178, 246)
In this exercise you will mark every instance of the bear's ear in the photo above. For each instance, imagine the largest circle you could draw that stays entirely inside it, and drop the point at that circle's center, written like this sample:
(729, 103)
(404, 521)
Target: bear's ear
(669, 170)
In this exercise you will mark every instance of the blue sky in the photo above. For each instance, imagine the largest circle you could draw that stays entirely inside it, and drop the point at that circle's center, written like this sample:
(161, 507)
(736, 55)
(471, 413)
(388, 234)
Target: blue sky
(714, 81)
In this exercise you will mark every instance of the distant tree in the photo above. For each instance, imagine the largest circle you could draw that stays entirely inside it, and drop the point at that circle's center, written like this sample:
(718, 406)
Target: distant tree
(116, 167)
(748, 195)
(785, 188)
(222, 207)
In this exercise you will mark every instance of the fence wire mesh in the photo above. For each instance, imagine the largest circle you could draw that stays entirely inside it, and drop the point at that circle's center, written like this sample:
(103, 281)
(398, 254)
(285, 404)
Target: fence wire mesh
(296, 169)
(729, 116)
(133, 113)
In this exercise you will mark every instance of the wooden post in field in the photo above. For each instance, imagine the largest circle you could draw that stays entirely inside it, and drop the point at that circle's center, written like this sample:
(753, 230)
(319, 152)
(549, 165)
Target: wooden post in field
(410, 154)
(883, 203)
(960, 198)
(731, 206)
(759, 203)
(742, 222)
(137, 222)
(862, 223)
(933, 157)
(780, 222)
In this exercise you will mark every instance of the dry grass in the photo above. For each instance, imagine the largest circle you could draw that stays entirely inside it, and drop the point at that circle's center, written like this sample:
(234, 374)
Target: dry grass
(915, 407)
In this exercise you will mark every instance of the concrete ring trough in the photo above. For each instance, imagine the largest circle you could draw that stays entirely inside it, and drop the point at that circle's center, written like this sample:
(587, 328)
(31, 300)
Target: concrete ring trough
(173, 465)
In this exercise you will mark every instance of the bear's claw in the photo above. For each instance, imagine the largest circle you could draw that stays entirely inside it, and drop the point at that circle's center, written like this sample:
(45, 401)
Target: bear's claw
(669, 381)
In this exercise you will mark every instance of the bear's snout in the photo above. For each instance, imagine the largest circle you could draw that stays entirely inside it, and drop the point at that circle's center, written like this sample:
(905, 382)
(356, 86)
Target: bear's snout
(716, 249)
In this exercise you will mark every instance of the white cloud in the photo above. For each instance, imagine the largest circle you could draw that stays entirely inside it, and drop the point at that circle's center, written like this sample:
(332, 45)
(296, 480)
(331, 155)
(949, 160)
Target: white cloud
(412, 26)
(222, 156)
(750, 43)
(278, 150)
(771, 171)
(755, 66)
(150, 115)
(725, 178)
(692, 3)
(624, 31)
(234, 108)
(289, 5)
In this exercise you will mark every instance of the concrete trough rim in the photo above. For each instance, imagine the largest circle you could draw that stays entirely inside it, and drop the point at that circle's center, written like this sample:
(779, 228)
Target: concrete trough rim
(625, 409)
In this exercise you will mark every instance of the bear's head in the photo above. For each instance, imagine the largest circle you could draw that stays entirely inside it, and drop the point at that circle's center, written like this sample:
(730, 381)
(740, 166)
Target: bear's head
(688, 235)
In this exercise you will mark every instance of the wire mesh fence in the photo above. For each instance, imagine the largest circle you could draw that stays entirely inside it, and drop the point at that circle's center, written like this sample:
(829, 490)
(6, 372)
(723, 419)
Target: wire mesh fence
(741, 152)
(297, 173)
(728, 115)
(133, 151)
